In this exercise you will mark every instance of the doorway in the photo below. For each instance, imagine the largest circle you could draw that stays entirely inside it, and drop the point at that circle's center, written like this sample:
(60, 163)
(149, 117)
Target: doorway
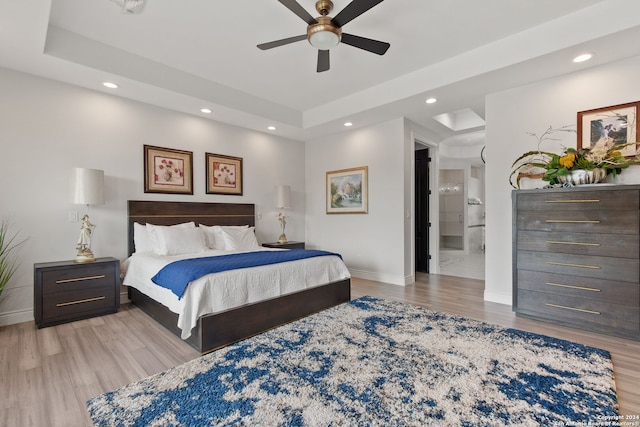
(422, 222)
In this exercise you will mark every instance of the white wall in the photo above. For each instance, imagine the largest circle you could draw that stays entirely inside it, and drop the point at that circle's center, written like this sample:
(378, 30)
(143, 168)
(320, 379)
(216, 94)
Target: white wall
(533, 108)
(46, 128)
(373, 244)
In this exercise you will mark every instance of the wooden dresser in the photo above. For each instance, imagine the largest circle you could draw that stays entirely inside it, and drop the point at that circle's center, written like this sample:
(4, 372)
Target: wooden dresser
(575, 257)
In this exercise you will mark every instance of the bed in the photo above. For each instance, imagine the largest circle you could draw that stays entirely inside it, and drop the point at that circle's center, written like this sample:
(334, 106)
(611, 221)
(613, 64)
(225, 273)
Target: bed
(215, 330)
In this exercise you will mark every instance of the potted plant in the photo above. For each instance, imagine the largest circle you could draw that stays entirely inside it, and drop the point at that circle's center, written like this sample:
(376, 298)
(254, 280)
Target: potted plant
(583, 166)
(8, 244)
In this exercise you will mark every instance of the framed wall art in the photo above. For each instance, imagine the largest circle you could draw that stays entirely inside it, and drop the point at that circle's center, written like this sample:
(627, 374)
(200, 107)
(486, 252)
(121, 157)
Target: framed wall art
(614, 125)
(167, 170)
(347, 191)
(224, 174)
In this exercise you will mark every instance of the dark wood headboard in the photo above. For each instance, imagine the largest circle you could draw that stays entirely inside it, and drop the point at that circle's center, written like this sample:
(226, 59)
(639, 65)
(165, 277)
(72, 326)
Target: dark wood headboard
(169, 213)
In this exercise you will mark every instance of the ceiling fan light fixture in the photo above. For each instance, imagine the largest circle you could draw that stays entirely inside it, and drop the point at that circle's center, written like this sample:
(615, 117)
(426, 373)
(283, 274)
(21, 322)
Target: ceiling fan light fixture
(323, 35)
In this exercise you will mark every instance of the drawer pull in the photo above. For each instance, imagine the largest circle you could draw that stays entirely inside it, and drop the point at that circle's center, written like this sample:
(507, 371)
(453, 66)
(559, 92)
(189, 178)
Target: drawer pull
(80, 279)
(582, 288)
(572, 221)
(572, 243)
(574, 309)
(64, 304)
(574, 201)
(572, 265)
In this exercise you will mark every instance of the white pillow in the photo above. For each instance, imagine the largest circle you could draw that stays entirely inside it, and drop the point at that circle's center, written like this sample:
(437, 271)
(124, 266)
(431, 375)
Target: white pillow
(179, 240)
(213, 234)
(154, 231)
(141, 238)
(243, 239)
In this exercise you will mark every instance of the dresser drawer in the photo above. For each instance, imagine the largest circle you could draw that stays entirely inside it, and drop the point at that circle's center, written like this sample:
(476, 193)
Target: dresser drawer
(584, 313)
(608, 245)
(587, 221)
(616, 269)
(563, 201)
(607, 291)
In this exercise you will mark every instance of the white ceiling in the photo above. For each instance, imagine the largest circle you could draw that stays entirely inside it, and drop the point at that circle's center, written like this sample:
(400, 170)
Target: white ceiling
(189, 54)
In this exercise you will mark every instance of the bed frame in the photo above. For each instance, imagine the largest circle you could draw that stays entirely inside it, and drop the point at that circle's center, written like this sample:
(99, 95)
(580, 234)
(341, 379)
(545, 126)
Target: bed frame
(217, 330)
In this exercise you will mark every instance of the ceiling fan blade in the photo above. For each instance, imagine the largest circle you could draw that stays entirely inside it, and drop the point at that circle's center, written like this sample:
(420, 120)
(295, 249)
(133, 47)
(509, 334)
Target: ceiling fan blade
(323, 61)
(364, 43)
(295, 7)
(353, 10)
(276, 43)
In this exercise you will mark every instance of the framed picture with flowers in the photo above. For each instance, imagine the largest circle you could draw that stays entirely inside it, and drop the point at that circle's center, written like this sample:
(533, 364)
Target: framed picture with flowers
(224, 174)
(610, 127)
(167, 170)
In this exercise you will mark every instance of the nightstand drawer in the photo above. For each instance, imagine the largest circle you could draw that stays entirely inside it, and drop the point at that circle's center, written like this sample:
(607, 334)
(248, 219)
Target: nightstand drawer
(78, 302)
(69, 280)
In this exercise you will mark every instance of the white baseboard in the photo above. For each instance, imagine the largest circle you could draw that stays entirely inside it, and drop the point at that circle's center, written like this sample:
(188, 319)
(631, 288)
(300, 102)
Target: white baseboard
(17, 316)
(378, 277)
(498, 298)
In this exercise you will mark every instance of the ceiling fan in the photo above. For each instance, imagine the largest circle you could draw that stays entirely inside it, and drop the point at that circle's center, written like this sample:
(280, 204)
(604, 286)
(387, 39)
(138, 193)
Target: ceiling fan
(325, 32)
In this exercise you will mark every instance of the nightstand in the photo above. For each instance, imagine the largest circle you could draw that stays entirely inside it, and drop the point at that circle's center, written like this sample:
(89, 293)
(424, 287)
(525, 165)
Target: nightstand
(288, 245)
(66, 291)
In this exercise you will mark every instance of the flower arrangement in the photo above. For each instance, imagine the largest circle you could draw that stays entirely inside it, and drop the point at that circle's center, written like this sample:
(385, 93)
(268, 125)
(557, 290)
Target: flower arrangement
(168, 168)
(604, 158)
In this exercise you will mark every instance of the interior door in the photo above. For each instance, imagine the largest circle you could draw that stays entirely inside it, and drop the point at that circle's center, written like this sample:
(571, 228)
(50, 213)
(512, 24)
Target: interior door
(423, 224)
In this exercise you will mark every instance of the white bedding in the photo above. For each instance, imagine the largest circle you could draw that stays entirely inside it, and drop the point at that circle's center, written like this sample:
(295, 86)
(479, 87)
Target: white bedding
(222, 291)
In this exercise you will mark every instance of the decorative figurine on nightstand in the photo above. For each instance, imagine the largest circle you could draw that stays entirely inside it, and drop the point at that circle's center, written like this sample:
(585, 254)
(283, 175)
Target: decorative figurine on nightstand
(283, 238)
(84, 241)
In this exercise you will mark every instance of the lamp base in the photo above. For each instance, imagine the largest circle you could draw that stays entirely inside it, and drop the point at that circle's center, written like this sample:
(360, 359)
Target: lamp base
(84, 255)
(282, 239)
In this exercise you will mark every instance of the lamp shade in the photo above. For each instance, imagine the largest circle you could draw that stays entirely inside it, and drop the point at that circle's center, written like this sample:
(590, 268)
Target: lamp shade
(283, 196)
(87, 186)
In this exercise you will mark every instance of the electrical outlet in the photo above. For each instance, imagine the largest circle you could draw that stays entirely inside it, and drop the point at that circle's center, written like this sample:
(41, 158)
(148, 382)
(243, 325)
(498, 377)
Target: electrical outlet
(73, 216)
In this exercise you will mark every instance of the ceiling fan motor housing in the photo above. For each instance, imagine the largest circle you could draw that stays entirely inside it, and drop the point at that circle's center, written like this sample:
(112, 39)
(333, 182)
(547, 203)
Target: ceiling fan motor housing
(324, 35)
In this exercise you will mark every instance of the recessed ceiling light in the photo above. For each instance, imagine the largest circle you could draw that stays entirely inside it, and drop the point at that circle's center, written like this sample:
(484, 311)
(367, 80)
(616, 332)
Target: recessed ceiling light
(110, 85)
(431, 100)
(205, 110)
(348, 124)
(271, 128)
(583, 57)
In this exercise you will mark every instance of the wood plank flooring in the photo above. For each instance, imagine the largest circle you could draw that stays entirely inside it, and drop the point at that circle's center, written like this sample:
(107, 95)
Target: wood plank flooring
(46, 375)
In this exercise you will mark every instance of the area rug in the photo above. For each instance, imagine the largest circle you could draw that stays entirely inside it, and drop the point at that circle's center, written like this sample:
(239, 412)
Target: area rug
(373, 362)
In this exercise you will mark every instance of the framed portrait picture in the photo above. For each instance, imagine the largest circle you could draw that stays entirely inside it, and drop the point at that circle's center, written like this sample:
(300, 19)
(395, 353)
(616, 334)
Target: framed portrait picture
(609, 126)
(224, 174)
(167, 170)
(347, 191)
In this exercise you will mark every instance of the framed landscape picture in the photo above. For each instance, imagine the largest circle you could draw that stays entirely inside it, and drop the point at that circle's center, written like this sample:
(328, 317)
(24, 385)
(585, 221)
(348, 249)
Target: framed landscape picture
(167, 170)
(347, 191)
(609, 126)
(224, 174)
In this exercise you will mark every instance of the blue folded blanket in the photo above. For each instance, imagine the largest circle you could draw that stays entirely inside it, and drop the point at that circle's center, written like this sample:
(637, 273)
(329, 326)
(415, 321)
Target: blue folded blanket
(177, 275)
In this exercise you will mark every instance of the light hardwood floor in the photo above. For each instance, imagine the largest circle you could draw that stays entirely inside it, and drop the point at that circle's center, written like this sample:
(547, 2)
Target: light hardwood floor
(48, 374)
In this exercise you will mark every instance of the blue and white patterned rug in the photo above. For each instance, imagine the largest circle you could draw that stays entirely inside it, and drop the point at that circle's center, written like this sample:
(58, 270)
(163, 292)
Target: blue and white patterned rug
(372, 362)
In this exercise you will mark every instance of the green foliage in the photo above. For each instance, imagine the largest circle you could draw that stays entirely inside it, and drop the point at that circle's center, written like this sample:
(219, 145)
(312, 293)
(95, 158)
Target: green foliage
(8, 244)
(549, 166)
